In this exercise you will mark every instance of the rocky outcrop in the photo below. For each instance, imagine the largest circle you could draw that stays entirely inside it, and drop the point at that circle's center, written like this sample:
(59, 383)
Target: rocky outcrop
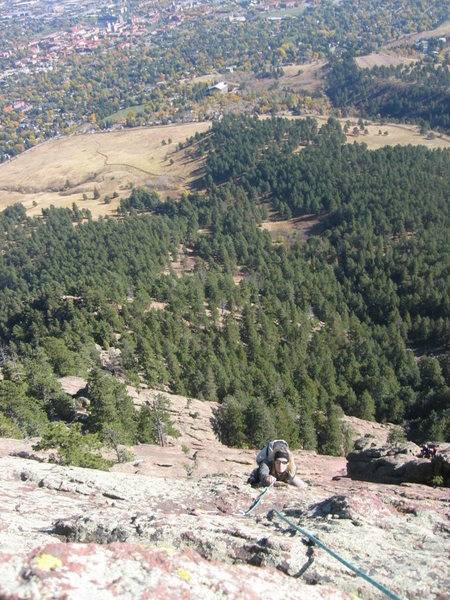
(358, 428)
(191, 418)
(170, 523)
(153, 528)
(380, 462)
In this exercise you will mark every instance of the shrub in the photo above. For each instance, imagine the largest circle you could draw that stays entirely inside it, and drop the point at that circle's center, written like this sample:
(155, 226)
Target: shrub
(9, 429)
(125, 455)
(396, 435)
(73, 447)
(437, 481)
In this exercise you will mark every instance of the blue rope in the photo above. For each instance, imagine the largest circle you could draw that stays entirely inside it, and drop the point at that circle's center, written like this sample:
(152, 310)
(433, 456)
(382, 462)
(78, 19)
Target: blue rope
(339, 558)
(258, 500)
(316, 541)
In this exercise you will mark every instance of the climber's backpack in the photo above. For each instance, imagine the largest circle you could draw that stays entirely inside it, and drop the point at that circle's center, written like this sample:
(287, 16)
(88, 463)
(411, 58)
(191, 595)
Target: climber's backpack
(268, 452)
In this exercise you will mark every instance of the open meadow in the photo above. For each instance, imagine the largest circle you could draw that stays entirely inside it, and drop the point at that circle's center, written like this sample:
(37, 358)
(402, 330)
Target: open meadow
(382, 59)
(67, 170)
(387, 134)
(308, 77)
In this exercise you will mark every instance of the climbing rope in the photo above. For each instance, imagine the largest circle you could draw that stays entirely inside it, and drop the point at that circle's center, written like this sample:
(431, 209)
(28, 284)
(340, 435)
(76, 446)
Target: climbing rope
(258, 500)
(254, 505)
(316, 541)
(339, 558)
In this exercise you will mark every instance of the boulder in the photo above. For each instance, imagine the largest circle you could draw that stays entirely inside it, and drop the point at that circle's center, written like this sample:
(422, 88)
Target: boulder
(373, 460)
(73, 385)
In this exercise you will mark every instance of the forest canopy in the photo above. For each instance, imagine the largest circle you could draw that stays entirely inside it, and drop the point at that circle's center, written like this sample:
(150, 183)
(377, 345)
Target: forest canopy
(412, 94)
(285, 334)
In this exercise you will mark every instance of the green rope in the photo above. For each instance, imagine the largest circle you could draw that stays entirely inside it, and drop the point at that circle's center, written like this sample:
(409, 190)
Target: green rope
(316, 541)
(257, 501)
(339, 558)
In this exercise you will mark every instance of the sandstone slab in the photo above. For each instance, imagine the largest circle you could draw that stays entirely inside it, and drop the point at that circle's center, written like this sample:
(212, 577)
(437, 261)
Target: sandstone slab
(70, 533)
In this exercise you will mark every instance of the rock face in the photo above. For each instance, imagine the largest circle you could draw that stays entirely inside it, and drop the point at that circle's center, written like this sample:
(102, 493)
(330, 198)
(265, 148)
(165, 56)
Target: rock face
(380, 462)
(171, 525)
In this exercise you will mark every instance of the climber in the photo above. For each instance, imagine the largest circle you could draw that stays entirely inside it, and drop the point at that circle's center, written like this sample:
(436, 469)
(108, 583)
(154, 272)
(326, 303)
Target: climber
(428, 451)
(276, 464)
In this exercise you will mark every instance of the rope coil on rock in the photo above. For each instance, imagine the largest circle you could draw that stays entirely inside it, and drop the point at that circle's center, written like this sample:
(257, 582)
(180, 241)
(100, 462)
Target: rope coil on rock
(316, 541)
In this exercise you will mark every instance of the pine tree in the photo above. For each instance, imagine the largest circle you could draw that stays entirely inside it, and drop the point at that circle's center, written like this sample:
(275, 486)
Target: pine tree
(330, 438)
(111, 408)
(259, 423)
(366, 407)
(229, 424)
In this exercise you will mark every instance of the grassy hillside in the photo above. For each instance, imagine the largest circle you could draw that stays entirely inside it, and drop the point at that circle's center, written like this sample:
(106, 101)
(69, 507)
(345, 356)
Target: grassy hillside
(69, 169)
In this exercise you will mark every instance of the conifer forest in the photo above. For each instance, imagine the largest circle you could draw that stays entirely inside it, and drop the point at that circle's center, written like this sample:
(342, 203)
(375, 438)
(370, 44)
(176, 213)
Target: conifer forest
(350, 316)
